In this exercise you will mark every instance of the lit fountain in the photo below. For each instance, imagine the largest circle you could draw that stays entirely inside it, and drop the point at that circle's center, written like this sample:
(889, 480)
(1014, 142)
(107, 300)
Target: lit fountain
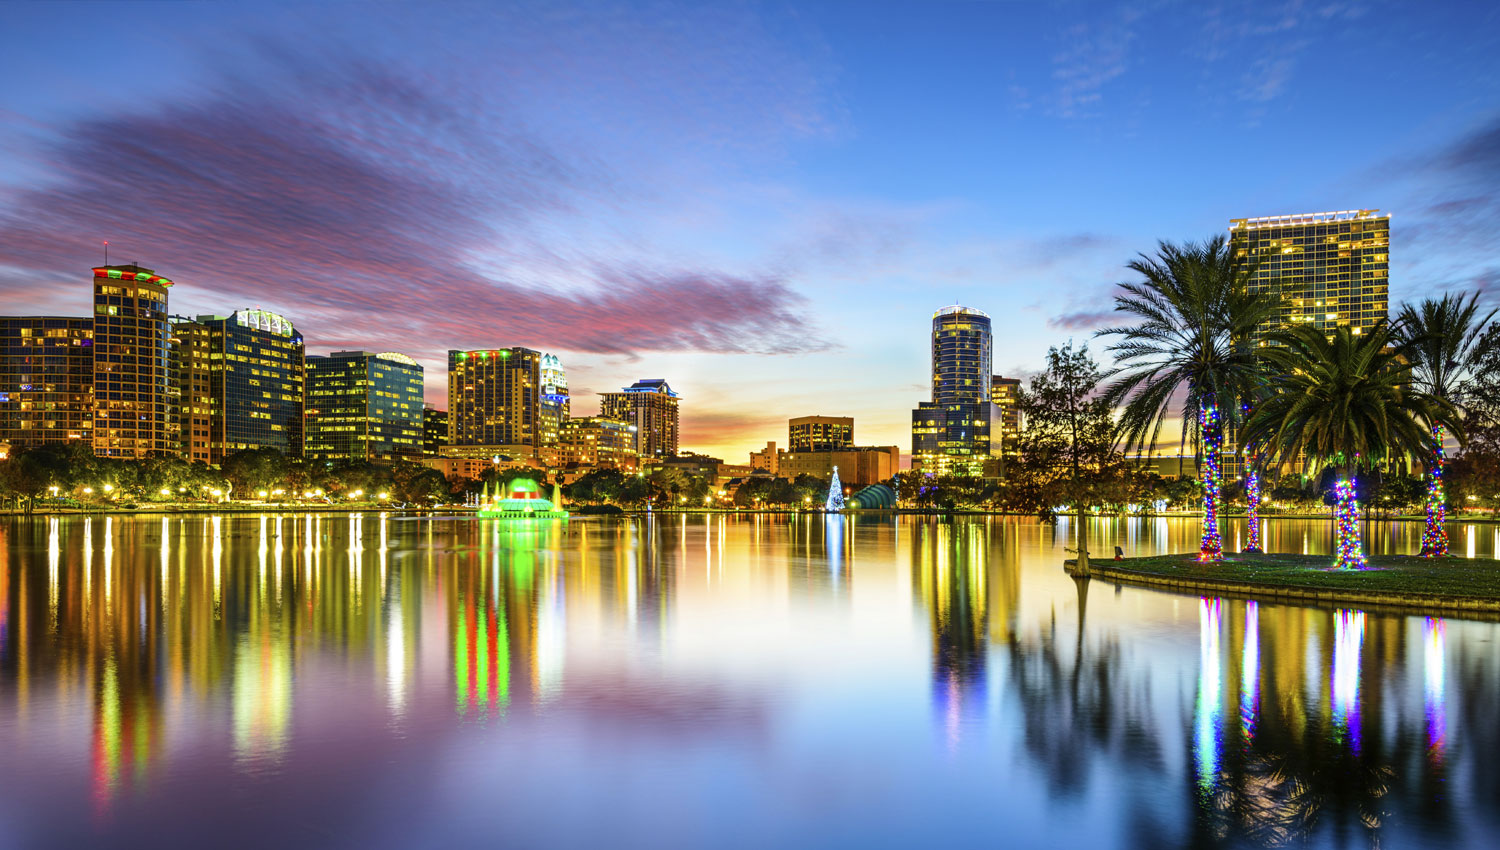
(524, 500)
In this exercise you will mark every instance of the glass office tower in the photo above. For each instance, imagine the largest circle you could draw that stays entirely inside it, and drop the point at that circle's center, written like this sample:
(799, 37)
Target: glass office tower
(241, 379)
(950, 435)
(364, 406)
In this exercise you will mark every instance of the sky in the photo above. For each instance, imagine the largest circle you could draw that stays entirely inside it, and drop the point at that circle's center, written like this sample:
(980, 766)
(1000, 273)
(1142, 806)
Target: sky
(761, 203)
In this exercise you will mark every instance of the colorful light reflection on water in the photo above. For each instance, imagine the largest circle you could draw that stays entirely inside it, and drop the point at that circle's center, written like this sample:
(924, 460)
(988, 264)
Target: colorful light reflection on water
(190, 680)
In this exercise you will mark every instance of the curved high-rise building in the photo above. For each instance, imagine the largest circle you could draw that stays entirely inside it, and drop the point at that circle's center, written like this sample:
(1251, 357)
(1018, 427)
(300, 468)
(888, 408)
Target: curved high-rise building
(950, 435)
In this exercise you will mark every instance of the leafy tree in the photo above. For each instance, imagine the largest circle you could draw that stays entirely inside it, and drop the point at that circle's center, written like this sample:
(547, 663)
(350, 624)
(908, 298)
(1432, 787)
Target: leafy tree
(251, 470)
(1195, 315)
(1067, 450)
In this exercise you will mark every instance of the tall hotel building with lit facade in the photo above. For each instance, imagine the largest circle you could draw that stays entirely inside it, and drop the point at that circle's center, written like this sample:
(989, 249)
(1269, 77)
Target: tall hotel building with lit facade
(950, 435)
(364, 406)
(504, 402)
(134, 394)
(1328, 269)
(240, 380)
(652, 407)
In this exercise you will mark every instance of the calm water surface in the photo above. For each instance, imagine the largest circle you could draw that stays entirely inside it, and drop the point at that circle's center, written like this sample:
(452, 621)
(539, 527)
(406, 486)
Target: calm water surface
(370, 681)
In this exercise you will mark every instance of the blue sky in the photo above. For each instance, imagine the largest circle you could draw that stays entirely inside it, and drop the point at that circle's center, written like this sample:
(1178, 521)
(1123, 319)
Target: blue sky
(762, 203)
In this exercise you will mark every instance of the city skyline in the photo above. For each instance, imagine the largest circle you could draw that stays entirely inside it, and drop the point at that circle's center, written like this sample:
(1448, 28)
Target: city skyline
(747, 197)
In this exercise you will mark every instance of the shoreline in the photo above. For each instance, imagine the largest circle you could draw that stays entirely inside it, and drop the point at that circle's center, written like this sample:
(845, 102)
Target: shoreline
(1384, 586)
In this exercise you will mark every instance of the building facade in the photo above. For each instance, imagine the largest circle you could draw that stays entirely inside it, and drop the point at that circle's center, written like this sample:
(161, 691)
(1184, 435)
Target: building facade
(820, 433)
(598, 441)
(951, 433)
(133, 382)
(1005, 394)
(434, 430)
(552, 406)
(767, 459)
(46, 381)
(494, 402)
(364, 406)
(252, 366)
(858, 466)
(1328, 269)
(652, 407)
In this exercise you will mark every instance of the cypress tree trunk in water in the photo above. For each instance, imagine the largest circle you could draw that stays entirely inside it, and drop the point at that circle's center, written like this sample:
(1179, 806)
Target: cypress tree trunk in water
(1083, 541)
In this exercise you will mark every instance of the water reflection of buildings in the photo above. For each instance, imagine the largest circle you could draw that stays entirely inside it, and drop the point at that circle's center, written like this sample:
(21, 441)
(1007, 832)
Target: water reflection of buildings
(142, 620)
(967, 600)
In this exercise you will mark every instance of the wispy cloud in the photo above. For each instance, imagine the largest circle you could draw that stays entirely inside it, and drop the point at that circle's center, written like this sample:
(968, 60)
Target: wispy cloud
(378, 206)
(1083, 320)
(1097, 52)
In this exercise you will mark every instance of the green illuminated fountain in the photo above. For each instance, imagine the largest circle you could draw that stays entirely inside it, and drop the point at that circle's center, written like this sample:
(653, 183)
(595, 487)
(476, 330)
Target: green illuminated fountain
(522, 500)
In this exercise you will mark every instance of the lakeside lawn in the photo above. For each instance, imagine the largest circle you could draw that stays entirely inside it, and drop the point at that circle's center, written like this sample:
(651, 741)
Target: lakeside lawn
(1409, 575)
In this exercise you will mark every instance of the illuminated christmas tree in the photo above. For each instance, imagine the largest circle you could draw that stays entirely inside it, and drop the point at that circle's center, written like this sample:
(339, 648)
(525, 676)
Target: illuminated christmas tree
(835, 501)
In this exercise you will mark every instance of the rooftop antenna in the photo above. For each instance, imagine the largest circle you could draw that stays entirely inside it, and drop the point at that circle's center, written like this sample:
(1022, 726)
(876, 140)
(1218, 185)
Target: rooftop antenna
(106, 252)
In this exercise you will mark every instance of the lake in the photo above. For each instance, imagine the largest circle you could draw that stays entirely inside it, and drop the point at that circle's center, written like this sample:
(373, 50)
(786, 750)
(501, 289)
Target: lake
(377, 681)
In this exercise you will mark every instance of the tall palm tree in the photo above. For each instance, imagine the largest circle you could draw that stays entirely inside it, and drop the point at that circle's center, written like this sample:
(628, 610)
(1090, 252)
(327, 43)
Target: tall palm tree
(1443, 338)
(1344, 401)
(1192, 342)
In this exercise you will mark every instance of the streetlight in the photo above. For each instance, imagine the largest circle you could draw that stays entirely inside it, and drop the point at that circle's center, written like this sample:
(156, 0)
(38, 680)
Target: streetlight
(89, 491)
(217, 493)
(53, 490)
(262, 494)
(382, 496)
(109, 488)
(356, 494)
(166, 491)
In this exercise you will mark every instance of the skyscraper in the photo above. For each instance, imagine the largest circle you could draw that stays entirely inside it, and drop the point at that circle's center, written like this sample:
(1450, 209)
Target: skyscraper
(951, 433)
(364, 406)
(651, 406)
(494, 402)
(133, 386)
(46, 381)
(1005, 393)
(249, 368)
(820, 433)
(1328, 269)
(552, 406)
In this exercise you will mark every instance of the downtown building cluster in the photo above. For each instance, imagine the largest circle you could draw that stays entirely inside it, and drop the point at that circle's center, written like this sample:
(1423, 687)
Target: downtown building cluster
(1329, 269)
(135, 381)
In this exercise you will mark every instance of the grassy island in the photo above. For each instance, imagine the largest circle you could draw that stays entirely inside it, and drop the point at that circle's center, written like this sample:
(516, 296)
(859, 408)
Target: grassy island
(1399, 581)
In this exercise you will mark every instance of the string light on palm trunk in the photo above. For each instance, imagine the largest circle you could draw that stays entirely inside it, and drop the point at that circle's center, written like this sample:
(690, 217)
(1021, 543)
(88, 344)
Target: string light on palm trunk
(1350, 553)
(1252, 494)
(1212, 548)
(1435, 537)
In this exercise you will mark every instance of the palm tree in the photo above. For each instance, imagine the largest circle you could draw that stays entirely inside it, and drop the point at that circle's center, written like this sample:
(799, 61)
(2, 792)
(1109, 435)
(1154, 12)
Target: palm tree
(1193, 342)
(1443, 338)
(1344, 401)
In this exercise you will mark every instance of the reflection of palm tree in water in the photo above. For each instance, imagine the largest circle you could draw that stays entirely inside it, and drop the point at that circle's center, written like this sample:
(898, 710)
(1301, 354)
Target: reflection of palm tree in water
(1285, 771)
(1264, 764)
